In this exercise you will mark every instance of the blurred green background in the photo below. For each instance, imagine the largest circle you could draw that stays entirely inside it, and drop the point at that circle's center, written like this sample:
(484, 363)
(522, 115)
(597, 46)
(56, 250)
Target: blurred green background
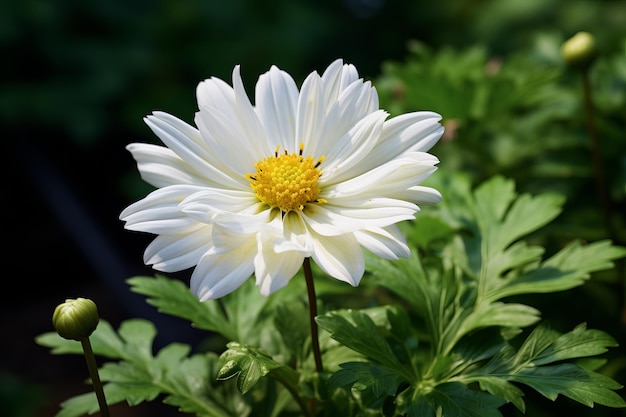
(79, 76)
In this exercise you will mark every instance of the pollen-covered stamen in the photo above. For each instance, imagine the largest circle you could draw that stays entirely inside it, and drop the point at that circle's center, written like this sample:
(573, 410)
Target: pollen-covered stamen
(287, 181)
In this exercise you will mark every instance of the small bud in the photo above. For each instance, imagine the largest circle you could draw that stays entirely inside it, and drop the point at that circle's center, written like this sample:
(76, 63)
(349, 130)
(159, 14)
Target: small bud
(580, 50)
(75, 319)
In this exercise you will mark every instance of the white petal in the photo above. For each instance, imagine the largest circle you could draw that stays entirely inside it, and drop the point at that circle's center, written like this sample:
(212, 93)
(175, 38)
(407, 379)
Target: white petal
(296, 234)
(160, 167)
(331, 220)
(310, 115)
(332, 79)
(159, 212)
(353, 103)
(218, 274)
(276, 101)
(420, 195)
(340, 257)
(225, 135)
(274, 270)
(251, 127)
(336, 78)
(190, 149)
(349, 150)
(395, 175)
(231, 128)
(416, 131)
(388, 242)
(243, 223)
(206, 203)
(216, 93)
(171, 253)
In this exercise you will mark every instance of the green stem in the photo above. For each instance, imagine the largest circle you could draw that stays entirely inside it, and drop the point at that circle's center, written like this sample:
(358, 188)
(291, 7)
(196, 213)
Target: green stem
(603, 195)
(95, 378)
(596, 154)
(308, 275)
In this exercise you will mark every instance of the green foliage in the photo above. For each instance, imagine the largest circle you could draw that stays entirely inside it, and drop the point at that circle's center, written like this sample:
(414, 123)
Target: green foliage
(188, 382)
(248, 364)
(448, 341)
(522, 115)
(454, 330)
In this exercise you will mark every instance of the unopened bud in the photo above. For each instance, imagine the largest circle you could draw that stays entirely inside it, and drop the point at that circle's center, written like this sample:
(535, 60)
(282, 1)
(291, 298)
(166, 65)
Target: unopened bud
(75, 319)
(580, 50)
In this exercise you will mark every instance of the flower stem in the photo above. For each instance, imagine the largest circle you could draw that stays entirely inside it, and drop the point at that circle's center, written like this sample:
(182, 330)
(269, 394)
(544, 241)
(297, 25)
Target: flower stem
(596, 154)
(95, 378)
(603, 195)
(308, 275)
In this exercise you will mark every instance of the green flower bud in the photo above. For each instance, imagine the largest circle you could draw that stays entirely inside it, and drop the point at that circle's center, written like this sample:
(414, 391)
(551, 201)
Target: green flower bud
(75, 319)
(580, 50)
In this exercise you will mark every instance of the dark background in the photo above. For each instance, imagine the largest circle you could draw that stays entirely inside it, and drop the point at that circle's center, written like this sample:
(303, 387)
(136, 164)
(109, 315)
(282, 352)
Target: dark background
(79, 76)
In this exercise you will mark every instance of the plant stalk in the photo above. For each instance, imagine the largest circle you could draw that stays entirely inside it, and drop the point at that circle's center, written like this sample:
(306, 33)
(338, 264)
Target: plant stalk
(95, 378)
(308, 275)
(596, 154)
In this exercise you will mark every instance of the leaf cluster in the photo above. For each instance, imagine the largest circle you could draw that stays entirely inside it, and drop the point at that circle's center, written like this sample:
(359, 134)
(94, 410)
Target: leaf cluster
(444, 336)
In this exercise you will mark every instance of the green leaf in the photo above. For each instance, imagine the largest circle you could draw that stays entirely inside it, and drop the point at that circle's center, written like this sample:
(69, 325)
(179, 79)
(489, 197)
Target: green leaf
(248, 364)
(173, 297)
(501, 218)
(567, 269)
(527, 365)
(498, 314)
(501, 388)
(139, 376)
(292, 324)
(104, 341)
(569, 380)
(450, 399)
(357, 331)
(375, 382)
(240, 315)
(544, 345)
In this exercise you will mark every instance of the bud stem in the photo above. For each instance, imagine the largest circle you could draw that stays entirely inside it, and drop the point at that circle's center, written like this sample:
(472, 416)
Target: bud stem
(95, 378)
(596, 154)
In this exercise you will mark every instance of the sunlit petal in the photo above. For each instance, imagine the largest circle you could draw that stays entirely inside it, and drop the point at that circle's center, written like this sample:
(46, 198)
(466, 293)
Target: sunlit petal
(316, 172)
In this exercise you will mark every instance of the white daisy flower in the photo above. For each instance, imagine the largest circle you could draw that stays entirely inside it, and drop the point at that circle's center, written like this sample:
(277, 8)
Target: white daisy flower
(319, 172)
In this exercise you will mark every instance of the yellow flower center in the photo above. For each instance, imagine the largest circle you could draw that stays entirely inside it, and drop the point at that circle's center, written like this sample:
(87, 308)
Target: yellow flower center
(287, 180)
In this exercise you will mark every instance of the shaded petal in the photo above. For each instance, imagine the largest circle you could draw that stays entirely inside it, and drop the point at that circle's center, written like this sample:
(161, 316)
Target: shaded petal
(401, 135)
(274, 270)
(172, 253)
(206, 203)
(296, 234)
(395, 175)
(423, 196)
(340, 257)
(410, 132)
(159, 211)
(218, 274)
(243, 223)
(387, 242)
(160, 166)
(359, 213)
